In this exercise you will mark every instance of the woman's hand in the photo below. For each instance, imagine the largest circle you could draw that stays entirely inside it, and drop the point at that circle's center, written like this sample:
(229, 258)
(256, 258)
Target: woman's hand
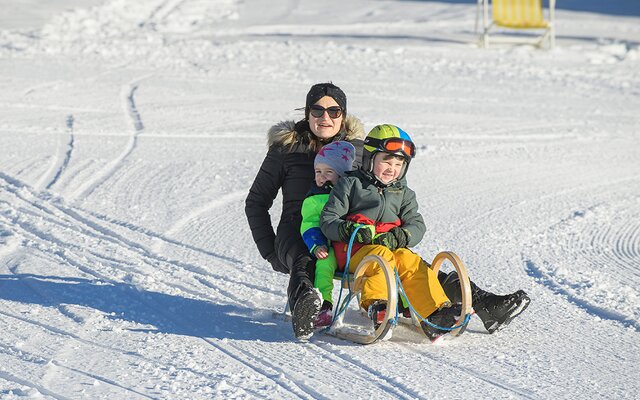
(276, 264)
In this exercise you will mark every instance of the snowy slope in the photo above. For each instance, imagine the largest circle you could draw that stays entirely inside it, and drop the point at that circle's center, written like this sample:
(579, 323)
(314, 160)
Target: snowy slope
(130, 133)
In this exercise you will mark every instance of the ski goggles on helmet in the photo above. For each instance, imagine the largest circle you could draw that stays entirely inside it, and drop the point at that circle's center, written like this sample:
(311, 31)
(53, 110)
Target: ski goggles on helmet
(318, 111)
(393, 145)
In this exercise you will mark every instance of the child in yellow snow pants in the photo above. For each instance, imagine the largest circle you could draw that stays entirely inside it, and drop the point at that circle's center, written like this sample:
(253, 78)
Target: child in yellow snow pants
(418, 280)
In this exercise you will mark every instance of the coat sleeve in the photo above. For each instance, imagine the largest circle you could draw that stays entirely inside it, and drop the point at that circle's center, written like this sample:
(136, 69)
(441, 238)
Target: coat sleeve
(263, 191)
(336, 209)
(310, 226)
(412, 221)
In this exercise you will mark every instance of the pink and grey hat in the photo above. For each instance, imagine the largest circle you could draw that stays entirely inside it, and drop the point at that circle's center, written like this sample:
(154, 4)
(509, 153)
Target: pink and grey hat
(337, 155)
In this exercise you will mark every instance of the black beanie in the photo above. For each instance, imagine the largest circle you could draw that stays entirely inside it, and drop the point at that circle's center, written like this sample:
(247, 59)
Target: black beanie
(319, 90)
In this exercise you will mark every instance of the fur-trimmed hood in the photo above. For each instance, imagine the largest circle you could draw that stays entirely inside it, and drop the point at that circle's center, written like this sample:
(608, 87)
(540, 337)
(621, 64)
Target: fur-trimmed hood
(284, 133)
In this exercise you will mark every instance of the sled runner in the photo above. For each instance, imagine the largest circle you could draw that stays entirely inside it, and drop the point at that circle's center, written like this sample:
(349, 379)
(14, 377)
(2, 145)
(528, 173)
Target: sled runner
(354, 283)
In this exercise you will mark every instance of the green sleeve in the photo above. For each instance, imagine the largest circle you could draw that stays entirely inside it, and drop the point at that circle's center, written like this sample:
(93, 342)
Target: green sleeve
(310, 226)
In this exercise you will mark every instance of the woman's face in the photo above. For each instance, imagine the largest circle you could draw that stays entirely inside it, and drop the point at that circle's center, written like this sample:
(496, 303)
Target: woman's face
(324, 127)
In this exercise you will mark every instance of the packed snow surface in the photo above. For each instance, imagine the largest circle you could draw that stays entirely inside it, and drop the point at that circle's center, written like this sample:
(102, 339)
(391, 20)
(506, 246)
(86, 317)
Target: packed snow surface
(130, 132)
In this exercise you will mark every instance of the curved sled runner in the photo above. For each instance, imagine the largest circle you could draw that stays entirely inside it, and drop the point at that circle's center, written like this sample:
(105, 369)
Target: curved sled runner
(354, 282)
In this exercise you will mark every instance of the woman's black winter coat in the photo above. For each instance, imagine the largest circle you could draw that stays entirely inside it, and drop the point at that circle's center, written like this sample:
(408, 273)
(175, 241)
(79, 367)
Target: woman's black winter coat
(288, 166)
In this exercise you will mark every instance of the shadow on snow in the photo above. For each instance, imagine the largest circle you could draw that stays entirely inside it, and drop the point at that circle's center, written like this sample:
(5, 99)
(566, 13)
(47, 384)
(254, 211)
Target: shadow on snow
(165, 313)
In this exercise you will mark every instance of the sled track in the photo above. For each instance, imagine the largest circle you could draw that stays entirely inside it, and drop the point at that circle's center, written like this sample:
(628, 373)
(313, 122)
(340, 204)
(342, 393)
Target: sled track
(510, 389)
(131, 111)
(88, 228)
(367, 373)
(70, 337)
(59, 163)
(549, 281)
(268, 369)
(52, 363)
(156, 236)
(177, 321)
(594, 253)
(8, 377)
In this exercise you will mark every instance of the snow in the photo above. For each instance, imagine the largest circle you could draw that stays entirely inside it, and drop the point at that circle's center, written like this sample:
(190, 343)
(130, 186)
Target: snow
(130, 133)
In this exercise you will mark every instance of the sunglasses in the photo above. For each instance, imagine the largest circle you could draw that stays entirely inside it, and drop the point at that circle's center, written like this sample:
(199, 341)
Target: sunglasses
(393, 145)
(318, 111)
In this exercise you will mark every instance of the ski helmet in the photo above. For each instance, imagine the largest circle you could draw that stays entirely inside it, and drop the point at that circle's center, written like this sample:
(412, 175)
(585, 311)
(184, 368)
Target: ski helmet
(388, 139)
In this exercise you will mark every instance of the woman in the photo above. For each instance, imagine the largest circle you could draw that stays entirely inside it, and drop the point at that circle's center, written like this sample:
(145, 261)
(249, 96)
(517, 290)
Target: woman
(288, 166)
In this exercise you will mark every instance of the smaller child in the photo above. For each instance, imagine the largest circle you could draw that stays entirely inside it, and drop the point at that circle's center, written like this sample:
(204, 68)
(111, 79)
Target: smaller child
(331, 163)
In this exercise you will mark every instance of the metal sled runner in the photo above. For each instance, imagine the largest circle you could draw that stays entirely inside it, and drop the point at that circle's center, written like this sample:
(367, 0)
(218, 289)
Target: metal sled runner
(354, 283)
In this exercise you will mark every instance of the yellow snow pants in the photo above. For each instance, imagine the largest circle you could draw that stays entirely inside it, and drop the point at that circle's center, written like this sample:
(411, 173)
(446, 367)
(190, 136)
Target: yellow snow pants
(418, 280)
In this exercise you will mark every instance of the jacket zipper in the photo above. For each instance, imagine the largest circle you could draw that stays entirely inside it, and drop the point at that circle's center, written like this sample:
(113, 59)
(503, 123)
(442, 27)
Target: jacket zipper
(381, 212)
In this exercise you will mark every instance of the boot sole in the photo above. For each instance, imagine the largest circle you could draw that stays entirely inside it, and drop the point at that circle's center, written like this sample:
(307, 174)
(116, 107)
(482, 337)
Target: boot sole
(304, 315)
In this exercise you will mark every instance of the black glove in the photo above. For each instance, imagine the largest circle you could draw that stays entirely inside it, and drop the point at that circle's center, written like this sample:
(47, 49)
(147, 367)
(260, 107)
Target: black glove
(277, 265)
(394, 239)
(364, 236)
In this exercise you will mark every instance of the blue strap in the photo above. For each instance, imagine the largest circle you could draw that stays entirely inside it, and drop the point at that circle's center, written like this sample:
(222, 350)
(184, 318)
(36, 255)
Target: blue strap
(345, 275)
(342, 307)
(466, 320)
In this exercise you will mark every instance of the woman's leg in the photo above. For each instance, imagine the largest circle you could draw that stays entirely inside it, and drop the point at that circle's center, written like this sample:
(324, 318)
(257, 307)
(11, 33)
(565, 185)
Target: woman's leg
(494, 310)
(304, 302)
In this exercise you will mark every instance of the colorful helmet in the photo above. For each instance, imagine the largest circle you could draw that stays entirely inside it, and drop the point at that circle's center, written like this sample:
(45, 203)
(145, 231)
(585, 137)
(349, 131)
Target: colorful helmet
(388, 139)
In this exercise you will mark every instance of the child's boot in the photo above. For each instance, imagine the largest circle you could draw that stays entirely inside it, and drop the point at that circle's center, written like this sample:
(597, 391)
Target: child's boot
(377, 311)
(325, 318)
(445, 317)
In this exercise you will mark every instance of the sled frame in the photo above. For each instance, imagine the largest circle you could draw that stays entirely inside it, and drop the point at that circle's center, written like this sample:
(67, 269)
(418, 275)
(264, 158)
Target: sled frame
(356, 281)
(355, 284)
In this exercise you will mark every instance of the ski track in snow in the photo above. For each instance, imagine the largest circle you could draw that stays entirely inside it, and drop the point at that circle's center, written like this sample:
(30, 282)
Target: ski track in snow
(137, 251)
(59, 162)
(132, 113)
(40, 389)
(550, 282)
(605, 235)
(57, 167)
(206, 208)
(504, 387)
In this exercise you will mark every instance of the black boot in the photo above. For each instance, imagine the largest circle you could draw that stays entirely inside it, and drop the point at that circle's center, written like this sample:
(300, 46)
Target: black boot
(451, 285)
(304, 300)
(444, 317)
(495, 311)
(304, 313)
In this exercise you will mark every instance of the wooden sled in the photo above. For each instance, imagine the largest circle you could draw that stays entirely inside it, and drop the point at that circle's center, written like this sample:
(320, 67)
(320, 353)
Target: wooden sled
(354, 282)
